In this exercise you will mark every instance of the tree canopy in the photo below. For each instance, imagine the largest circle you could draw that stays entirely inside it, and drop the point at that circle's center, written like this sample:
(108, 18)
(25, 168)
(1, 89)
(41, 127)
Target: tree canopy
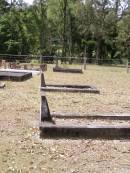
(67, 27)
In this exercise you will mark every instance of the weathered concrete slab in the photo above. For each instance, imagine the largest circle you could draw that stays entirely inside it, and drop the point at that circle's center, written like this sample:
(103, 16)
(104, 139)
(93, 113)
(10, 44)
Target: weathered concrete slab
(67, 70)
(89, 131)
(70, 86)
(14, 76)
(44, 110)
(69, 89)
(123, 116)
(34, 72)
(2, 85)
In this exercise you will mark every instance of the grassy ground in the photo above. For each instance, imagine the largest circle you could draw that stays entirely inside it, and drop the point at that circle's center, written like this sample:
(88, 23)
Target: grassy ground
(21, 150)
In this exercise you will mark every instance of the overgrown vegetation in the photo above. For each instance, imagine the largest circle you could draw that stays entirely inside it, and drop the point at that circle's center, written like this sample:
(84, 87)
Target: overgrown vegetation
(98, 28)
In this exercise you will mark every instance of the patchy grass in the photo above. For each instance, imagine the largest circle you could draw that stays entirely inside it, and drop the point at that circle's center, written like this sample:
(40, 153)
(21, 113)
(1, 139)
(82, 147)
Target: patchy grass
(21, 150)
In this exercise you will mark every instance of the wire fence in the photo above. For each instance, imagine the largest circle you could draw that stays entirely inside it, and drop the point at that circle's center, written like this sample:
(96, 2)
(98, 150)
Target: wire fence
(17, 60)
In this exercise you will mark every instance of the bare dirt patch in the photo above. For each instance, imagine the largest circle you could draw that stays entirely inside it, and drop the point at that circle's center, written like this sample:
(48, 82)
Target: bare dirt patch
(21, 150)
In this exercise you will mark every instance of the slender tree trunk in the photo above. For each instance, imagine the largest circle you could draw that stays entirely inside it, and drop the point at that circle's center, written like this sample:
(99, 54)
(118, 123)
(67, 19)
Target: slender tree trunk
(70, 33)
(85, 57)
(43, 28)
(98, 52)
(117, 3)
(65, 28)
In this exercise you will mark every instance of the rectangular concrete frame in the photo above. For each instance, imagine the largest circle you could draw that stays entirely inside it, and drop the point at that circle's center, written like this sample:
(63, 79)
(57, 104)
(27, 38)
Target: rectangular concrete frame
(48, 128)
(14, 76)
(88, 131)
(70, 89)
(67, 70)
(124, 117)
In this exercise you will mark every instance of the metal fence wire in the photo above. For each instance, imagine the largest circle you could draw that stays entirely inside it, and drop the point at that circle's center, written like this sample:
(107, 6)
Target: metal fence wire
(60, 61)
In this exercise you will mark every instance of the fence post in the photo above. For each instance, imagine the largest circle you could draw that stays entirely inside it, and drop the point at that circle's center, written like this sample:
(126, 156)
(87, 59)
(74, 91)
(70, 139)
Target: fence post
(56, 61)
(85, 63)
(127, 66)
(85, 58)
(41, 59)
(4, 63)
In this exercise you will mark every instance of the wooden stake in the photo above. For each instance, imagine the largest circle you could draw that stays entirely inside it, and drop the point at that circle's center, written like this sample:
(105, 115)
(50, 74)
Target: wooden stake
(85, 58)
(85, 63)
(127, 66)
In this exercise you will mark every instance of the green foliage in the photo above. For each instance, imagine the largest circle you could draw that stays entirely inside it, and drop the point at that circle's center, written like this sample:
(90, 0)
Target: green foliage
(34, 61)
(48, 27)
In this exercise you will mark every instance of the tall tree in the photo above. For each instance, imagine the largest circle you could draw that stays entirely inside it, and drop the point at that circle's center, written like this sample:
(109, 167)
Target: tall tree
(40, 17)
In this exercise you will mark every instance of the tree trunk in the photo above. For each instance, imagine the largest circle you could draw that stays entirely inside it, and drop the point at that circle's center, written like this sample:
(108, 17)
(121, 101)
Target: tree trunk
(98, 52)
(117, 7)
(69, 33)
(65, 28)
(43, 28)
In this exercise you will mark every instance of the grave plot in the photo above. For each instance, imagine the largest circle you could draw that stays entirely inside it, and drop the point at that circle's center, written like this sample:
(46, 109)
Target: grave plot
(67, 88)
(67, 70)
(57, 68)
(20, 66)
(77, 125)
(90, 130)
(14, 76)
(70, 88)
